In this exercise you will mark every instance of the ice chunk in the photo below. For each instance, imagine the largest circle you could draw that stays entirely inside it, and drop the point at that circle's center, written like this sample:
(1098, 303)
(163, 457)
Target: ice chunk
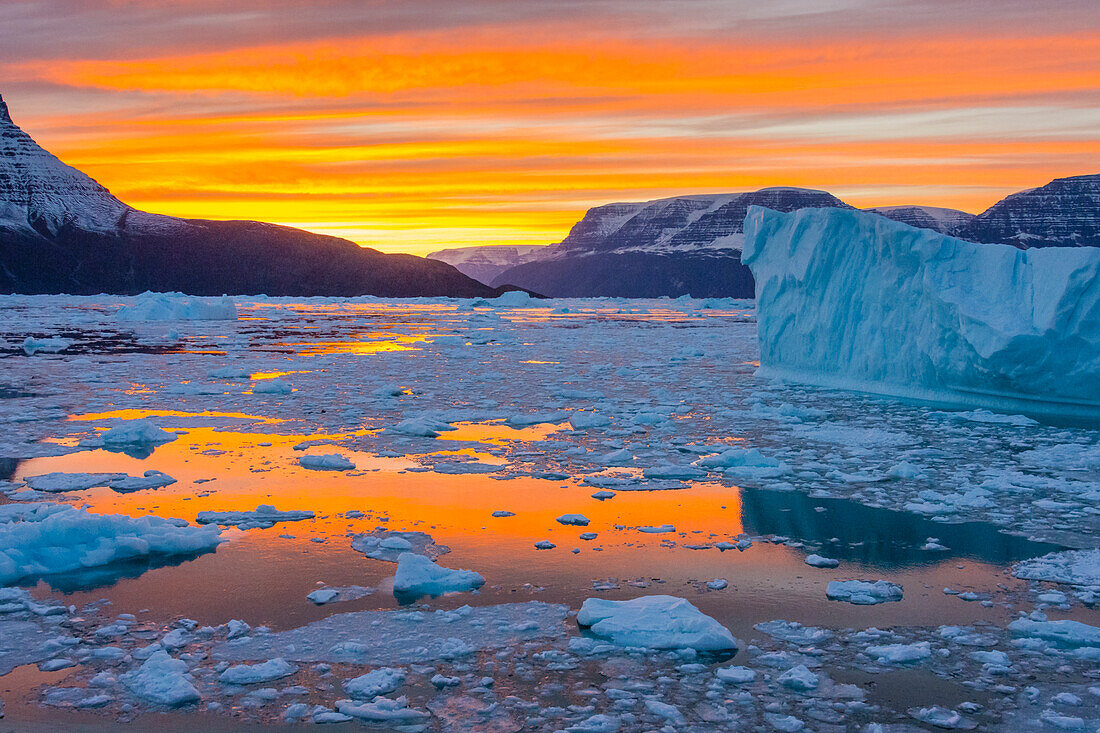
(44, 539)
(383, 710)
(1075, 567)
(58, 482)
(162, 680)
(735, 675)
(900, 653)
(656, 622)
(818, 561)
(588, 420)
(177, 307)
(374, 683)
(942, 718)
(386, 545)
(1065, 632)
(49, 345)
(850, 299)
(272, 386)
(862, 592)
(794, 632)
(422, 427)
(799, 679)
(578, 520)
(402, 637)
(250, 674)
(328, 462)
(418, 575)
(136, 432)
(263, 517)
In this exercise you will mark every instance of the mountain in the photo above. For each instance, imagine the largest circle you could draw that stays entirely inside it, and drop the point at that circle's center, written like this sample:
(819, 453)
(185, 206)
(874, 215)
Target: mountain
(486, 262)
(674, 246)
(1063, 213)
(944, 221)
(61, 232)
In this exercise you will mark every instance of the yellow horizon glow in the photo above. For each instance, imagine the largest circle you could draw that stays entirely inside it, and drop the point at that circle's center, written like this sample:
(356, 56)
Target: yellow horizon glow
(420, 141)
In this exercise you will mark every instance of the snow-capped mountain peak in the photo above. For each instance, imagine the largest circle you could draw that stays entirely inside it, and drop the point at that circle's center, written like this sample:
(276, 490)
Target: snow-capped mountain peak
(40, 193)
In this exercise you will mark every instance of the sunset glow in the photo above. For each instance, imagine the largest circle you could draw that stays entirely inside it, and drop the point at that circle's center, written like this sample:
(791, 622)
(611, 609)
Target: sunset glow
(422, 125)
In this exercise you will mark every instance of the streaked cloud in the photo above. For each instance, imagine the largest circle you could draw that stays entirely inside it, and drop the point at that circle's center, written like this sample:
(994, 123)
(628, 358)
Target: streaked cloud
(417, 125)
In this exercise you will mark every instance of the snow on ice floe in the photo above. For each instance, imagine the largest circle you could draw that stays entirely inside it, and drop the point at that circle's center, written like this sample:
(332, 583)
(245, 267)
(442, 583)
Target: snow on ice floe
(381, 681)
(1072, 567)
(863, 592)
(264, 516)
(850, 299)
(328, 462)
(1065, 632)
(57, 482)
(48, 345)
(418, 575)
(162, 680)
(389, 545)
(251, 674)
(403, 637)
(327, 594)
(42, 539)
(177, 307)
(655, 622)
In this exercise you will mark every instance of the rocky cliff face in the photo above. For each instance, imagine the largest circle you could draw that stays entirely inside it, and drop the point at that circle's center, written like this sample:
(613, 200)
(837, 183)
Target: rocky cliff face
(62, 232)
(688, 245)
(1063, 213)
(681, 224)
(944, 221)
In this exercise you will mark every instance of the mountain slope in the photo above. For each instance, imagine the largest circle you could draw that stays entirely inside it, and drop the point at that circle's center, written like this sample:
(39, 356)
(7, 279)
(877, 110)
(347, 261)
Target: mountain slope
(61, 231)
(683, 245)
(485, 263)
(944, 221)
(1063, 213)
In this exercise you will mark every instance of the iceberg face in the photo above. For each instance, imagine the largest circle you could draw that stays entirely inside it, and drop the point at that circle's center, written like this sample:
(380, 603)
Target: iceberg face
(852, 300)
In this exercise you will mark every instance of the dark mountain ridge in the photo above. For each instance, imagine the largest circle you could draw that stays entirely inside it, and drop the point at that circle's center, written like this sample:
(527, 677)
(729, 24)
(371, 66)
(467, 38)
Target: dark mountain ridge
(62, 232)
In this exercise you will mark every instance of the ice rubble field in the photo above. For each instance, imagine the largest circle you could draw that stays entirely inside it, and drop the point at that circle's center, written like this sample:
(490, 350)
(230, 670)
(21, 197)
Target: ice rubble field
(647, 536)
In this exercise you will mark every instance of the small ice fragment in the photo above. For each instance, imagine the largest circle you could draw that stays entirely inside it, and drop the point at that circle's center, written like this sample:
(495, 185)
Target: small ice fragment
(818, 561)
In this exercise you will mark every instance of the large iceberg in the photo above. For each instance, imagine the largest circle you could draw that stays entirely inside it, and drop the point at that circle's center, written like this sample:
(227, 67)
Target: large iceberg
(852, 300)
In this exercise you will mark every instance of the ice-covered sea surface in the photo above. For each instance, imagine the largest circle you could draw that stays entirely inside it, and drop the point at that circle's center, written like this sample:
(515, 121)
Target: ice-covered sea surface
(516, 461)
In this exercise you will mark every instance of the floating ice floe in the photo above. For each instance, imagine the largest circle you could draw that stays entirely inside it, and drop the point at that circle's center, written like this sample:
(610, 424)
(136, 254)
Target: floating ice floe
(744, 463)
(133, 432)
(941, 717)
(794, 632)
(578, 520)
(377, 682)
(421, 427)
(818, 561)
(1065, 632)
(1073, 567)
(854, 300)
(863, 592)
(383, 710)
(388, 546)
(262, 517)
(418, 575)
(321, 596)
(272, 386)
(900, 653)
(251, 674)
(162, 680)
(48, 345)
(588, 420)
(45, 539)
(381, 638)
(177, 307)
(328, 462)
(655, 622)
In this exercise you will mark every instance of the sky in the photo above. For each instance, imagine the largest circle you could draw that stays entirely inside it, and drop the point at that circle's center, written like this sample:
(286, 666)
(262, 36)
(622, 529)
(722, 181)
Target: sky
(416, 125)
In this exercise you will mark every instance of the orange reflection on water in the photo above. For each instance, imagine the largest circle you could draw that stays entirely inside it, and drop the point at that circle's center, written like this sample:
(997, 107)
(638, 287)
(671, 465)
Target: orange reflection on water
(495, 432)
(387, 342)
(275, 375)
(137, 414)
